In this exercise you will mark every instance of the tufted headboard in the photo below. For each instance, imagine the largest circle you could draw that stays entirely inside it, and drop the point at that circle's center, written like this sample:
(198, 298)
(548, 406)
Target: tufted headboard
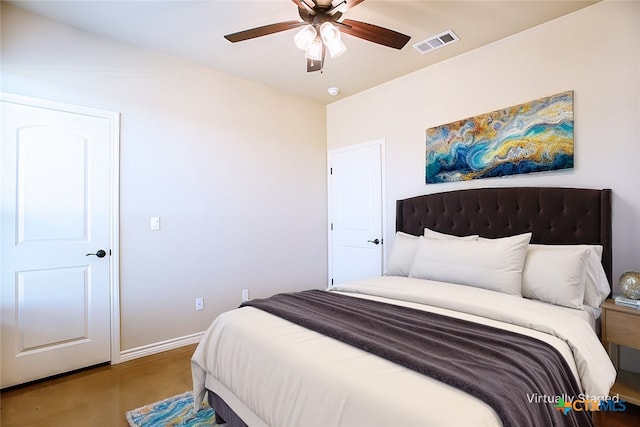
(553, 215)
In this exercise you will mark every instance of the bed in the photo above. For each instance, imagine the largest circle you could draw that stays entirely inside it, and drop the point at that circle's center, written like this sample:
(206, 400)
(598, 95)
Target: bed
(525, 268)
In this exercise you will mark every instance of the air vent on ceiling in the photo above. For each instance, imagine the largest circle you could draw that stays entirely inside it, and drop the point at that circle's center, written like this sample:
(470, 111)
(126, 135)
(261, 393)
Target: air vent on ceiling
(436, 42)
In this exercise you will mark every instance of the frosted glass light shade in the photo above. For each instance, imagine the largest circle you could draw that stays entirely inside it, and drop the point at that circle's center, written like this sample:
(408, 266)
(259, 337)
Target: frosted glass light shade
(305, 37)
(314, 52)
(332, 39)
(336, 48)
(329, 32)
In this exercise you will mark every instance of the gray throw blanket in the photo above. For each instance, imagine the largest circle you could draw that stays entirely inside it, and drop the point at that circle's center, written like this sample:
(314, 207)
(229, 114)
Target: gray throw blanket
(499, 367)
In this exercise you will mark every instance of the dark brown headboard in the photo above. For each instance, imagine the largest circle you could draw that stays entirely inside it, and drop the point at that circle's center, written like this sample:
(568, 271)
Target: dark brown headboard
(553, 215)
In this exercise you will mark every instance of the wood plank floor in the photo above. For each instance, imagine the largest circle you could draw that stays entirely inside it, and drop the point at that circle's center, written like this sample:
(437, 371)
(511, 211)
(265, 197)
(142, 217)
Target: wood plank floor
(100, 396)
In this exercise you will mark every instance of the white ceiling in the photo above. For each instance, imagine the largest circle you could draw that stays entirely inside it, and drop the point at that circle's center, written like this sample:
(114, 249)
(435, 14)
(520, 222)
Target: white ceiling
(194, 30)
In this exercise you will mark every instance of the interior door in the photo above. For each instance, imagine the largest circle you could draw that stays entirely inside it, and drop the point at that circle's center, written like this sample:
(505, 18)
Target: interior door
(356, 213)
(55, 219)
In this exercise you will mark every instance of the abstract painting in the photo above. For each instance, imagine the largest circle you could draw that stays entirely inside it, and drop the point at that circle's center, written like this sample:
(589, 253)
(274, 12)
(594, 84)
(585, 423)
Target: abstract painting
(531, 137)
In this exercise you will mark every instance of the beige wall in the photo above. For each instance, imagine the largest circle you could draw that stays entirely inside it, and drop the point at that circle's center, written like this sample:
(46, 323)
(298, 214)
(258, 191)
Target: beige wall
(595, 52)
(239, 186)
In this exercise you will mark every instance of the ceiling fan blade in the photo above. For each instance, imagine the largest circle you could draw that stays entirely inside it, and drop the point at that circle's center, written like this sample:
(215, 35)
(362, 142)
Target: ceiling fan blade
(263, 31)
(351, 4)
(373, 33)
(303, 5)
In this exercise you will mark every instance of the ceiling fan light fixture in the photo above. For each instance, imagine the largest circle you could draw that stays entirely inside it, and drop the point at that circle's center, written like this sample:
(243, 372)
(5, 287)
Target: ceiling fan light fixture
(336, 48)
(329, 32)
(305, 37)
(314, 52)
(332, 39)
(321, 28)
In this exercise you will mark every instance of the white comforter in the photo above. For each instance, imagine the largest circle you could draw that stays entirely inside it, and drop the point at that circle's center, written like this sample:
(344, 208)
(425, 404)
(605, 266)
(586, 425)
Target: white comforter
(274, 373)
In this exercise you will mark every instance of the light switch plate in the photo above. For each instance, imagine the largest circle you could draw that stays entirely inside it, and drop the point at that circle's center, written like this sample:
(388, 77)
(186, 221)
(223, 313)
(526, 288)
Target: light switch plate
(154, 223)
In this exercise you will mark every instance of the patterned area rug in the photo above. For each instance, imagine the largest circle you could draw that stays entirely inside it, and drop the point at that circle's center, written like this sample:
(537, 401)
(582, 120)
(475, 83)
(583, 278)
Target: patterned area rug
(172, 412)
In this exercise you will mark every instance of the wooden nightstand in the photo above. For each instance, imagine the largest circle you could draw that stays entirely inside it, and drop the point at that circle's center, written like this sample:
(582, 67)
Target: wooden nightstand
(621, 326)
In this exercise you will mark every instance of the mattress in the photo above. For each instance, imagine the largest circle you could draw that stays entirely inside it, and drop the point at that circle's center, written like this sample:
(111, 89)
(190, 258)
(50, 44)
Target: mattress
(272, 372)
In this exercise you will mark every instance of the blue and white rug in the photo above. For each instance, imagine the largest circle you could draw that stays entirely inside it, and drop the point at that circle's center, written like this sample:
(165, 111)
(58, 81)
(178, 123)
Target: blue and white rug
(176, 411)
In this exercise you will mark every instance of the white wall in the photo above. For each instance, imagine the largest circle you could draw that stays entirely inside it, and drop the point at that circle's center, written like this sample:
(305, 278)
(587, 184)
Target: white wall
(239, 186)
(595, 52)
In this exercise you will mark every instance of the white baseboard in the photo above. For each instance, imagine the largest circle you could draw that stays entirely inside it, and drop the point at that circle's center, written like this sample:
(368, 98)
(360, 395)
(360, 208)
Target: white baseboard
(159, 347)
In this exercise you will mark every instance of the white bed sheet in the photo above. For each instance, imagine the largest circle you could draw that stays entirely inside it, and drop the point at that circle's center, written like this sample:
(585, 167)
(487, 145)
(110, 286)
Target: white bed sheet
(272, 372)
(588, 314)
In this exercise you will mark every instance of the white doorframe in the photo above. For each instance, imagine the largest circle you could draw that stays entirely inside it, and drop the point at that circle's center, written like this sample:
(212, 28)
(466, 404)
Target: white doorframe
(114, 200)
(383, 188)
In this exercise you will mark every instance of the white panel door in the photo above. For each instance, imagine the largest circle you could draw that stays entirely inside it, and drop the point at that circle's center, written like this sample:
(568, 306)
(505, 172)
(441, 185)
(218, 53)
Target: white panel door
(356, 208)
(55, 210)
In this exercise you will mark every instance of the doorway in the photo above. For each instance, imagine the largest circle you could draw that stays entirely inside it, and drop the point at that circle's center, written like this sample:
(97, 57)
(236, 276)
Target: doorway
(356, 212)
(59, 238)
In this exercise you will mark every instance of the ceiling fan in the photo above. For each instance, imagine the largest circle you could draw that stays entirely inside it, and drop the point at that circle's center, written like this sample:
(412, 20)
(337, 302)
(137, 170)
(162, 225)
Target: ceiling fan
(322, 25)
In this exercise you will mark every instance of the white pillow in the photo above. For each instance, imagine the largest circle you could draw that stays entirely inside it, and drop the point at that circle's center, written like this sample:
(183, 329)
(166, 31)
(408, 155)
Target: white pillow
(556, 274)
(402, 253)
(404, 250)
(432, 234)
(597, 287)
(494, 264)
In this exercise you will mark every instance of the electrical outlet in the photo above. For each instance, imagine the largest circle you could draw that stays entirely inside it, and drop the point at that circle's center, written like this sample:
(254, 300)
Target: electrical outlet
(245, 295)
(199, 303)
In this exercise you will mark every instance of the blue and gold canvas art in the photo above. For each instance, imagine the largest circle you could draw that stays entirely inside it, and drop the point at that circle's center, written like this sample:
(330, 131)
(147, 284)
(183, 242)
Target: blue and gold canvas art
(531, 137)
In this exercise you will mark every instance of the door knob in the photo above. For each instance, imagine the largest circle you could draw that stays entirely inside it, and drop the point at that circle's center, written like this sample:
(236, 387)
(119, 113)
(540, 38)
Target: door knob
(375, 242)
(100, 254)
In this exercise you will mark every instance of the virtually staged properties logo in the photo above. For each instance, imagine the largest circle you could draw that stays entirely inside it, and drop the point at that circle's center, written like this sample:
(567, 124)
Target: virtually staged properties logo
(582, 402)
